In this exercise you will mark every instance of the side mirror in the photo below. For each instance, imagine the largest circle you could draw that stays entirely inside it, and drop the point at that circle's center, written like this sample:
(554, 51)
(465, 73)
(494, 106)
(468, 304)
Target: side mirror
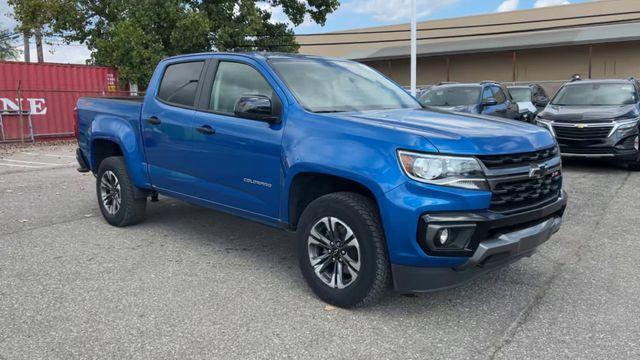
(541, 102)
(255, 107)
(489, 102)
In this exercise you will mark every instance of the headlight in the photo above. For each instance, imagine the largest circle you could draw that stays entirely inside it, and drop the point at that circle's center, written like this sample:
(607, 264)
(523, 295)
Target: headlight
(463, 172)
(547, 124)
(623, 125)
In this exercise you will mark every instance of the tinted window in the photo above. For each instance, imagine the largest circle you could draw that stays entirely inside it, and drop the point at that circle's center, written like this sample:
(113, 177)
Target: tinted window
(498, 94)
(323, 85)
(596, 95)
(234, 80)
(179, 83)
(451, 96)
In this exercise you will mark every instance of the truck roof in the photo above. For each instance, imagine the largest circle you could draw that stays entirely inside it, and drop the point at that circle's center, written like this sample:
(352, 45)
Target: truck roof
(257, 55)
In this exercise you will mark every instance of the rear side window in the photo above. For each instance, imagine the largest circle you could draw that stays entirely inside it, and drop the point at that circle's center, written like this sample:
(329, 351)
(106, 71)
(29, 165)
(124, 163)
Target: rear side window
(179, 83)
(234, 80)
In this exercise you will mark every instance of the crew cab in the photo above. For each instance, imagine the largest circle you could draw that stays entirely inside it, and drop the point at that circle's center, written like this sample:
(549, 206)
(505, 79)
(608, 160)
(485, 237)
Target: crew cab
(596, 119)
(486, 98)
(381, 192)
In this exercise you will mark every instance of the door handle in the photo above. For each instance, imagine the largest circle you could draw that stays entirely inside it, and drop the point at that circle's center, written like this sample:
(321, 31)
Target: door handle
(153, 121)
(206, 129)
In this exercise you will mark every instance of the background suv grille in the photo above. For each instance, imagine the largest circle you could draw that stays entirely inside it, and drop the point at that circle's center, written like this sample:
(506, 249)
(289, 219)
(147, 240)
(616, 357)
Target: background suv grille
(511, 195)
(496, 161)
(570, 132)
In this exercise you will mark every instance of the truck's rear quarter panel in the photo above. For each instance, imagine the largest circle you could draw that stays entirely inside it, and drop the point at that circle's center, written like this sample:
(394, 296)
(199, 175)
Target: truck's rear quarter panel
(115, 120)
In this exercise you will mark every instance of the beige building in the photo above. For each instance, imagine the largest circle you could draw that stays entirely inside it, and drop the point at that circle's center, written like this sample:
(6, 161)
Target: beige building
(596, 39)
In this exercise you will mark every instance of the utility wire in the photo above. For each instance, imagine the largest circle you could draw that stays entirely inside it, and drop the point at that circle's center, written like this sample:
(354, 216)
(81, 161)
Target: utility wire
(470, 26)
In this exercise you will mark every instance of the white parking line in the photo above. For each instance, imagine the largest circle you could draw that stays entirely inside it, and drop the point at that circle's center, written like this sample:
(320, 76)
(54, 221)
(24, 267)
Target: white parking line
(24, 166)
(35, 162)
(50, 155)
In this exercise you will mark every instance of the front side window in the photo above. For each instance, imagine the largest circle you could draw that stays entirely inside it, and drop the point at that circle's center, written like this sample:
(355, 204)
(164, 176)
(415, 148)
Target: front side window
(324, 85)
(487, 94)
(451, 96)
(234, 80)
(498, 94)
(596, 95)
(179, 83)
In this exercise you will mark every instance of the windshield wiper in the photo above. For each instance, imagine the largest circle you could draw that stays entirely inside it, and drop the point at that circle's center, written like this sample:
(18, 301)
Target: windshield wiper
(328, 111)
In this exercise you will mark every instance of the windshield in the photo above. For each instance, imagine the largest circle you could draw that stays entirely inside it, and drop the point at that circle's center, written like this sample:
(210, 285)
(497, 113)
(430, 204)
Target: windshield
(451, 96)
(595, 95)
(520, 94)
(322, 85)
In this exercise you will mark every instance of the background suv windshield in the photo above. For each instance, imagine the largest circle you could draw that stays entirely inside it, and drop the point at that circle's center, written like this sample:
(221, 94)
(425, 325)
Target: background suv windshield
(520, 94)
(335, 86)
(596, 95)
(452, 96)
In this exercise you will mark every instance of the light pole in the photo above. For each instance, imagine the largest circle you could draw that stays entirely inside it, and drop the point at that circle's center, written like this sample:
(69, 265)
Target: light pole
(413, 47)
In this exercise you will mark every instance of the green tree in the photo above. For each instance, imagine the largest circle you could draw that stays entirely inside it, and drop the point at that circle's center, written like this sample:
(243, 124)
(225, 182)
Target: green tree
(7, 51)
(134, 35)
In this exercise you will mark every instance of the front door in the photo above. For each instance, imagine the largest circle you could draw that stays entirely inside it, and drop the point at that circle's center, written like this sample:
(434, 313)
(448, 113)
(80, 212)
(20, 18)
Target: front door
(240, 159)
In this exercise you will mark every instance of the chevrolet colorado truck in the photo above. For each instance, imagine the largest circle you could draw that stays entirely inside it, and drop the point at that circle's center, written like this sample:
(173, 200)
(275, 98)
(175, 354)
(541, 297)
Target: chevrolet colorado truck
(381, 192)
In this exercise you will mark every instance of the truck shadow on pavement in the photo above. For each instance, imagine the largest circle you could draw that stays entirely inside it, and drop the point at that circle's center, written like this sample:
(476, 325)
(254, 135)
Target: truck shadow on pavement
(269, 255)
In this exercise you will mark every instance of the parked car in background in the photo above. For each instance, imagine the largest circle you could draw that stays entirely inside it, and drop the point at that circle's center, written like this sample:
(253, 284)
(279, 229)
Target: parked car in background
(380, 191)
(486, 98)
(531, 100)
(596, 119)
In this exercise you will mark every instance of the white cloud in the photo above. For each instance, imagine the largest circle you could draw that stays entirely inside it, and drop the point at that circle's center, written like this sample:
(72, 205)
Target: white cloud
(508, 5)
(545, 3)
(395, 10)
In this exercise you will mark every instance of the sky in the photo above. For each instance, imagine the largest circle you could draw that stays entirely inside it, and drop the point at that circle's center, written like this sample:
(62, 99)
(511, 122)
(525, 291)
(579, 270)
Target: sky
(351, 14)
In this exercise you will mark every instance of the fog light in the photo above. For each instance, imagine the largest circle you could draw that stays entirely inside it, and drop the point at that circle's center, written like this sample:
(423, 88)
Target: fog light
(443, 238)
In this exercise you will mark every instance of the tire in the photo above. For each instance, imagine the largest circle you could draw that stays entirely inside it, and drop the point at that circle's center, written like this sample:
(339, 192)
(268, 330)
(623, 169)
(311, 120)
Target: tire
(347, 213)
(131, 209)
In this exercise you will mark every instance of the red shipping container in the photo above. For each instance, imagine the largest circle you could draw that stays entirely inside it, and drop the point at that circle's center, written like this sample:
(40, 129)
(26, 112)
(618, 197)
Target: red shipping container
(50, 92)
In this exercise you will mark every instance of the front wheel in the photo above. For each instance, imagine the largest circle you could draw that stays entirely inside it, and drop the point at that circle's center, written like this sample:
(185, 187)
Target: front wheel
(116, 194)
(342, 250)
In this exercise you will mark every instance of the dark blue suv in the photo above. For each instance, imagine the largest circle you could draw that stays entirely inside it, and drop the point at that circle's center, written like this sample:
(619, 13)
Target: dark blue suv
(486, 98)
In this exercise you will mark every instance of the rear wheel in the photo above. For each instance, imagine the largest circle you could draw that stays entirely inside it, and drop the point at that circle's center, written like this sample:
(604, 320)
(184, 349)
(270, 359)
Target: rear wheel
(342, 250)
(116, 194)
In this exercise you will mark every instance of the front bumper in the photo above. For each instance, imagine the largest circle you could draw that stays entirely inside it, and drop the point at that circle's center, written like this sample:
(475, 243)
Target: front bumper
(618, 146)
(516, 236)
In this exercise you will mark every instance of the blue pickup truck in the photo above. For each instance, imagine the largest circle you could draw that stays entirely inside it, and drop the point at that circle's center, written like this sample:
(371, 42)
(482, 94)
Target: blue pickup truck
(381, 192)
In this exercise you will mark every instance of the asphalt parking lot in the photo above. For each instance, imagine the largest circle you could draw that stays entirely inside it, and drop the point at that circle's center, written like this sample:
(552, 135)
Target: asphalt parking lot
(192, 283)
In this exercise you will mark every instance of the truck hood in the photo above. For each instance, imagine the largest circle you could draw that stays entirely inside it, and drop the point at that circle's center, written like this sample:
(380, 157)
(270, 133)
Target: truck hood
(574, 114)
(456, 133)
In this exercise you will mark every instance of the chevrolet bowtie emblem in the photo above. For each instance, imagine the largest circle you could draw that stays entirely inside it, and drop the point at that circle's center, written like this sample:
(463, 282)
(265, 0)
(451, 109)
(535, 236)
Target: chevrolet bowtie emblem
(537, 171)
(581, 126)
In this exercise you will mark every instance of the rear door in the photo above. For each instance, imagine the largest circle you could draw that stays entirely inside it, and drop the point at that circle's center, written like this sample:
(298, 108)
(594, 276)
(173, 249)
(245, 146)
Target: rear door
(239, 159)
(168, 127)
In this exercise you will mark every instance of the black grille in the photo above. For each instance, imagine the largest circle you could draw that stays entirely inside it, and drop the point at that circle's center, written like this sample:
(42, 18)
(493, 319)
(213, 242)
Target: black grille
(585, 150)
(565, 132)
(496, 161)
(520, 194)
